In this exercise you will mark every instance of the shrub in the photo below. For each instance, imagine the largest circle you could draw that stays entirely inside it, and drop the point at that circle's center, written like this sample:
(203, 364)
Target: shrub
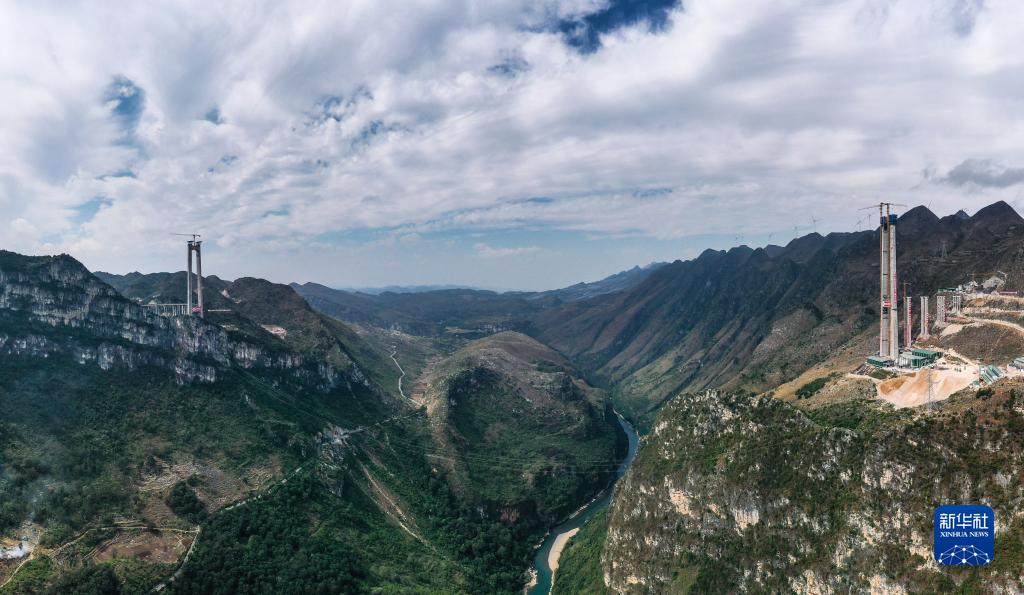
(183, 501)
(811, 388)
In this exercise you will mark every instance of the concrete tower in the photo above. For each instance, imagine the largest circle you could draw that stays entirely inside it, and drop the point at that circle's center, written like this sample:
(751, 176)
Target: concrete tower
(888, 332)
(908, 327)
(195, 245)
(924, 317)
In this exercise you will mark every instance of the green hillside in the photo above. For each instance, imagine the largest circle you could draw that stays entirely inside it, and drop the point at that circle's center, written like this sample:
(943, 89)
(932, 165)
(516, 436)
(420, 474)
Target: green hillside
(519, 429)
(285, 461)
(840, 498)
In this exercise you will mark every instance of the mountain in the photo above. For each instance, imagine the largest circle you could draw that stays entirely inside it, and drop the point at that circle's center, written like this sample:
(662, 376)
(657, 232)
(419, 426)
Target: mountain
(430, 448)
(744, 319)
(489, 395)
(620, 281)
(111, 409)
(453, 311)
(265, 440)
(753, 319)
(733, 493)
(472, 312)
(267, 311)
(409, 289)
(163, 287)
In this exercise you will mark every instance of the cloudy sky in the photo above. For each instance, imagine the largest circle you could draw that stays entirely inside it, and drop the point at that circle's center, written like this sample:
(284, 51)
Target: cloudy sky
(498, 143)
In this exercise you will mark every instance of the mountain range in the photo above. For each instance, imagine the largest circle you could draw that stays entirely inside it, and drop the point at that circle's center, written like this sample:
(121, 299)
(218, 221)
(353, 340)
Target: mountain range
(747, 319)
(272, 442)
(309, 438)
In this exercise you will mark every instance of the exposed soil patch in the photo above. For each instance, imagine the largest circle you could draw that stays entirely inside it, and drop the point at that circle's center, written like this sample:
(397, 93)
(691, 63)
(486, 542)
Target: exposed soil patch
(912, 390)
(156, 512)
(164, 547)
(988, 343)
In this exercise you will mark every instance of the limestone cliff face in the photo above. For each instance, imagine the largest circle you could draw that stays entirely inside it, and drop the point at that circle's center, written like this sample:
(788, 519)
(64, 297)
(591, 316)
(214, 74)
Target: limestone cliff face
(742, 494)
(54, 305)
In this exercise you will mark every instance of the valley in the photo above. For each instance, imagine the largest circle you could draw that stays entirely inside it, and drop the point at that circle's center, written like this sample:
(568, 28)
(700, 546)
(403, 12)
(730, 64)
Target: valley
(301, 438)
(512, 297)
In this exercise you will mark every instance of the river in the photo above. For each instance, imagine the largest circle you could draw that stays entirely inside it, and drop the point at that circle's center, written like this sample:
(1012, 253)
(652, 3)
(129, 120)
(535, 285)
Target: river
(550, 550)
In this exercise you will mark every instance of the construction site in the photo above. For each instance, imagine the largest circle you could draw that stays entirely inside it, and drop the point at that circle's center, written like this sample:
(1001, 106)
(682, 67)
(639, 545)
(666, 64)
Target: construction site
(920, 358)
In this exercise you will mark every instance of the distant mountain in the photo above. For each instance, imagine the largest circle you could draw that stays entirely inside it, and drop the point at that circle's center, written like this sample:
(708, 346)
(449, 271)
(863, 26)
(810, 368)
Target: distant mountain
(408, 289)
(620, 281)
(123, 430)
(752, 319)
(467, 312)
(474, 311)
(837, 489)
(740, 319)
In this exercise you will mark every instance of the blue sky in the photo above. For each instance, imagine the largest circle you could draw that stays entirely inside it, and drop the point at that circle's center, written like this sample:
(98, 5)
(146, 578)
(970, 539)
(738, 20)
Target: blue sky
(509, 143)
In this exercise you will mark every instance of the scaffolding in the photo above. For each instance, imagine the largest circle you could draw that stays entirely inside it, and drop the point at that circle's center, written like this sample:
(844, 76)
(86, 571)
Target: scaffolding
(168, 309)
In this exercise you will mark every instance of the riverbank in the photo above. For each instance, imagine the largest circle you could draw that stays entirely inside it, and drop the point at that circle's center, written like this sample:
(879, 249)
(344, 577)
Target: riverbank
(545, 561)
(557, 546)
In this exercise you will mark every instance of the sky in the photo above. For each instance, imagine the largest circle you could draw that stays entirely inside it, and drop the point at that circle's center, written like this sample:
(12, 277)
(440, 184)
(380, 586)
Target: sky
(526, 144)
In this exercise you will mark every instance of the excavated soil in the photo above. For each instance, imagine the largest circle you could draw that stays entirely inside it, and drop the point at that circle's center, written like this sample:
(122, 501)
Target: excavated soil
(912, 390)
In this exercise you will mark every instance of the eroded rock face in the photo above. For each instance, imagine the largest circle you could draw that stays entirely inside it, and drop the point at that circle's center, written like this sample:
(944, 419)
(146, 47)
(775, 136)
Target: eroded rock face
(753, 496)
(53, 305)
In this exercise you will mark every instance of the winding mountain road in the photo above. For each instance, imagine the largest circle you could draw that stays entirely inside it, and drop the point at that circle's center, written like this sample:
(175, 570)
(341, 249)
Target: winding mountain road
(394, 350)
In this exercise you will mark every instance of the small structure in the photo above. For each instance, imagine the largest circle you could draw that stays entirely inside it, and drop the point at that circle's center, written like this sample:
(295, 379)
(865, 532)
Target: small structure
(909, 360)
(1018, 363)
(879, 362)
(993, 283)
(929, 354)
(956, 302)
(989, 374)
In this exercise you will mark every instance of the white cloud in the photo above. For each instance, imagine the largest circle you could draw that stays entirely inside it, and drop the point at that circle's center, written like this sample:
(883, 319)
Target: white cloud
(488, 251)
(374, 115)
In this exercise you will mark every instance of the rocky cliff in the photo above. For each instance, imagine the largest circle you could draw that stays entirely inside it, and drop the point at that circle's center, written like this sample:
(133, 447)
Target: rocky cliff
(755, 318)
(735, 493)
(53, 305)
(122, 430)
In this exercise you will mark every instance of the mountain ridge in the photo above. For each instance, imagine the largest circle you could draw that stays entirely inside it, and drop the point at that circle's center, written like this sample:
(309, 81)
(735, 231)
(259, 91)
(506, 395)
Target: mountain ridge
(266, 425)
